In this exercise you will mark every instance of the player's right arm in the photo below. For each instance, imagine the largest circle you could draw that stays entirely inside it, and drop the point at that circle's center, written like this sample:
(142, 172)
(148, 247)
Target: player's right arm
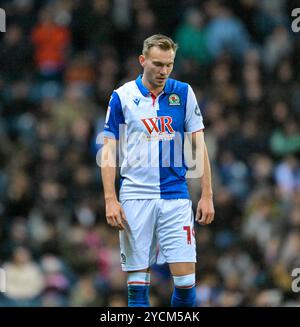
(115, 215)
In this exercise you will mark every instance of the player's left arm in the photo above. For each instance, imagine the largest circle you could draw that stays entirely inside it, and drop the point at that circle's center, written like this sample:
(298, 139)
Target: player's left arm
(194, 124)
(205, 209)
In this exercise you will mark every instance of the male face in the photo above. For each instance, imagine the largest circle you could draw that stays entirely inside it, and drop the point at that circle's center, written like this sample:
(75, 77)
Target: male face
(158, 65)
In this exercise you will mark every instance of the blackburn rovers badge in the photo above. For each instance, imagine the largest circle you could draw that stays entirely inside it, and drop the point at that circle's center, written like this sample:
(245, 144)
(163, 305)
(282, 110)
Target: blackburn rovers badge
(174, 100)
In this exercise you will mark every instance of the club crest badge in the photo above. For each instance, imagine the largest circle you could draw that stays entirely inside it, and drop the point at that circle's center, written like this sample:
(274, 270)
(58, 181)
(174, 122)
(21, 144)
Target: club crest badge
(174, 100)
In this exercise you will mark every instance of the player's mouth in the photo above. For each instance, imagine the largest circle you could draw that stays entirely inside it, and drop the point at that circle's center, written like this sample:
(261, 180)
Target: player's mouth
(161, 79)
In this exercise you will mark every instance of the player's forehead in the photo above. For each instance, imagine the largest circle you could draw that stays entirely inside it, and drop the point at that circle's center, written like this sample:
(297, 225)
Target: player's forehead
(159, 55)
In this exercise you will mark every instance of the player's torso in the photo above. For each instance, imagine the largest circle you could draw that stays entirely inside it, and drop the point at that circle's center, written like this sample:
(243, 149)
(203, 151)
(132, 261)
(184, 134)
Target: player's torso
(155, 118)
(153, 128)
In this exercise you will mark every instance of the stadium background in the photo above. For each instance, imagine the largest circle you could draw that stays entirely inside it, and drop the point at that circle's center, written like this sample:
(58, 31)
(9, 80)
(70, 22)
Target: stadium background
(61, 59)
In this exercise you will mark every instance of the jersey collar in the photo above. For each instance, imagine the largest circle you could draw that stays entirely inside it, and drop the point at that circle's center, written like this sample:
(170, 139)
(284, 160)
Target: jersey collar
(146, 92)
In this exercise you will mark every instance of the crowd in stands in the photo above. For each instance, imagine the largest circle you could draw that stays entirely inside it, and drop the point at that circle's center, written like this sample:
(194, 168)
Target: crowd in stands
(60, 61)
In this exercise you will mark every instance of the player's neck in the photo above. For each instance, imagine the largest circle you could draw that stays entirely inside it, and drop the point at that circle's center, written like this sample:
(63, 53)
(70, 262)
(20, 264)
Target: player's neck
(154, 90)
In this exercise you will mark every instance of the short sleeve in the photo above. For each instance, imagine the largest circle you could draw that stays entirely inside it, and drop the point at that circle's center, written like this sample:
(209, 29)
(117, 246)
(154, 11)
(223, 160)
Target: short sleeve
(114, 117)
(193, 117)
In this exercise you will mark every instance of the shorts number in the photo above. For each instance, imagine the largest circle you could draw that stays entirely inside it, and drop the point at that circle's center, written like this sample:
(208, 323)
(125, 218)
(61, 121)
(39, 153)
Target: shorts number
(188, 232)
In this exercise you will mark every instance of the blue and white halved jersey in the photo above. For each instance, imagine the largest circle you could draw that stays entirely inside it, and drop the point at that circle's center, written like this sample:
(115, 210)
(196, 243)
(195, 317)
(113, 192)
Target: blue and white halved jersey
(151, 134)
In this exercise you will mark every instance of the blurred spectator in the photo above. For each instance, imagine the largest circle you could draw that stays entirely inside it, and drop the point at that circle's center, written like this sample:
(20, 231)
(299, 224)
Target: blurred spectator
(226, 33)
(25, 281)
(269, 298)
(56, 279)
(99, 23)
(146, 26)
(192, 37)
(287, 176)
(15, 64)
(286, 140)
(51, 42)
(277, 46)
(263, 220)
(84, 293)
(80, 71)
(234, 175)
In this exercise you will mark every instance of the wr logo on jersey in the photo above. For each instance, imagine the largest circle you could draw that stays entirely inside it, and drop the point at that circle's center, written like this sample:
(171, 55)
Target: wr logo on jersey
(158, 124)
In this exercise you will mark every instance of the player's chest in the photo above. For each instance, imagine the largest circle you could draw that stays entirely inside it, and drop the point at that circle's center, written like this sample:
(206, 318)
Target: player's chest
(160, 115)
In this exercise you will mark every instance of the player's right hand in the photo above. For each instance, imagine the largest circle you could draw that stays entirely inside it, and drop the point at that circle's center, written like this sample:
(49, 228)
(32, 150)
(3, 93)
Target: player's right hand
(115, 215)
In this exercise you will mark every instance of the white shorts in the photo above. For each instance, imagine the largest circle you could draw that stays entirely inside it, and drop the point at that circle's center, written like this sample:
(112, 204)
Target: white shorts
(158, 231)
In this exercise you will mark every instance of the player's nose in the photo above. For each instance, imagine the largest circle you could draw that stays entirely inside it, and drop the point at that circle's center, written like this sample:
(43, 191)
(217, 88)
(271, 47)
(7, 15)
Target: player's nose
(164, 70)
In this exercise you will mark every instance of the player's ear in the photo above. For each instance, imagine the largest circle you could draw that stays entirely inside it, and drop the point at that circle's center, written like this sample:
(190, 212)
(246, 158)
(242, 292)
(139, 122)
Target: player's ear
(142, 60)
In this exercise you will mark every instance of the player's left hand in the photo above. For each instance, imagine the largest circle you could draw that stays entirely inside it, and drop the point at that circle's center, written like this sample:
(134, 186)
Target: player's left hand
(205, 211)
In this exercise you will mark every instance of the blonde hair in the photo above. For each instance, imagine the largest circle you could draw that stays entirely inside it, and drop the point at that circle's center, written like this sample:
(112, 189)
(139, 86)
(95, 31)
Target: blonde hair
(161, 41)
